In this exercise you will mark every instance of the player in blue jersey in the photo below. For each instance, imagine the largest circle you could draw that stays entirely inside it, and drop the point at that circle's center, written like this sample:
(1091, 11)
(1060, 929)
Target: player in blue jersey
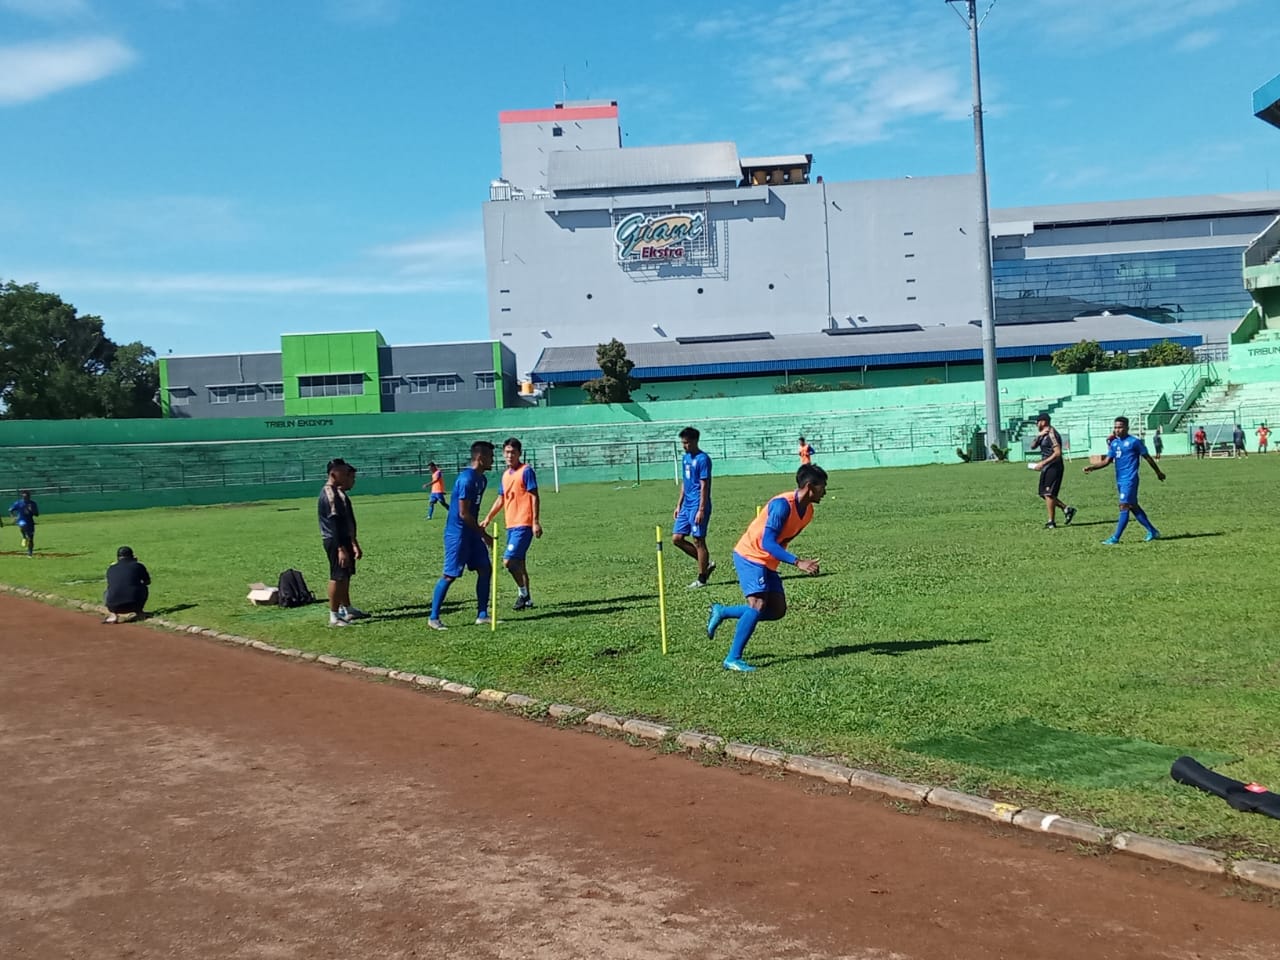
(466, 543)
(25, 511)
(1127, 453)
(693, 508)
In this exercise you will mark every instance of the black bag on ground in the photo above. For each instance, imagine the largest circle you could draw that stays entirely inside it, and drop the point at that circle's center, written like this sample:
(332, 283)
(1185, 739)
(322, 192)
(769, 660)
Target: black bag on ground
(1249, 798)
(292, 591)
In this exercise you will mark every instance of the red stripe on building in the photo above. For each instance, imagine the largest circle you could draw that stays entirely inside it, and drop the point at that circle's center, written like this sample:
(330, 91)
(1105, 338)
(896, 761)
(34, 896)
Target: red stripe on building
(557, 113)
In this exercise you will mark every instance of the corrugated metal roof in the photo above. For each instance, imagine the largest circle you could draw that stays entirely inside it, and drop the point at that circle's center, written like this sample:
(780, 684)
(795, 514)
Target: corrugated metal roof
(817, 351)
(642, 166)
(783, 160)
(1262, 201)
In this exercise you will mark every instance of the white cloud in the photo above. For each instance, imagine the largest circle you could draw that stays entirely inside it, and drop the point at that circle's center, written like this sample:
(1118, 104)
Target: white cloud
(48, 9)
(1113, 23)
(1197, 40)
(35, 70)
(438, 253)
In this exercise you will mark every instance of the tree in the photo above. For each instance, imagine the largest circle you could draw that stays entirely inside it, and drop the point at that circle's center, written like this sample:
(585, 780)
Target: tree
(56, 364)
(1087, 356)
(615, 383)
(1166, 353)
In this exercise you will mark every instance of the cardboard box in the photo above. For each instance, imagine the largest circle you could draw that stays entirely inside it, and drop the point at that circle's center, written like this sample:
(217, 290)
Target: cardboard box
(260, 595)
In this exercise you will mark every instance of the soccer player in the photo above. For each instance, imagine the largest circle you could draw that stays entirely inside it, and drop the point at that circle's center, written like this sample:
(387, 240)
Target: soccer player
(693, 507)
(466, 544)
(757, 555)
(25, 511)
(1201, 440)
(1264, 434)
(805, 452)
(338, 535)
(1237, 441)
(1049, 442)
(1127, 453)
(520, 504)
(437, 489)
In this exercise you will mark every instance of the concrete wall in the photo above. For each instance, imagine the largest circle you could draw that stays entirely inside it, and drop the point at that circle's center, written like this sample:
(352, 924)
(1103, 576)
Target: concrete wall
(527, 137)
(901, 251)
(442, 362)
(188, 379)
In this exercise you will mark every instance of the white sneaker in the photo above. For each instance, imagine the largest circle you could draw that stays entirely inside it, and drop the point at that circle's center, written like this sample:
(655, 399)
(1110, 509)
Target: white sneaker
(696, 585)
(111, 618)
(338, 622)
(353, 613)
(484, 620)
(436, 625)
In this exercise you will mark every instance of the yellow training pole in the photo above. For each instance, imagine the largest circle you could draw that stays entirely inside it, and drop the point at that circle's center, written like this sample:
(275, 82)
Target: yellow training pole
(662, 594)
(493, 586)
(758, 509)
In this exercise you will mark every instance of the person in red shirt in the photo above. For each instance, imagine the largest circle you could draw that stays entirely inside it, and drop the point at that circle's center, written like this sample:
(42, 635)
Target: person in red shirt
(1201, 440)
(1264, 433)
(761, 549)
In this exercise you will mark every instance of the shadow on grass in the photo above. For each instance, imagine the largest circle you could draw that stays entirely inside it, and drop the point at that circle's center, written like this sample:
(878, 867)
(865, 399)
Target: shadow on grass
(412, 611)
(39, 553)
(1191, 536)
(881, 648)
(176, 608)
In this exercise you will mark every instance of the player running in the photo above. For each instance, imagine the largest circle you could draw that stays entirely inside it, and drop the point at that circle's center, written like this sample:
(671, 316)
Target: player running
(1127, 453)
(25, 511)
(757, 556)
(437, 489)
(693, 508)
(466, 545)
(520, 504)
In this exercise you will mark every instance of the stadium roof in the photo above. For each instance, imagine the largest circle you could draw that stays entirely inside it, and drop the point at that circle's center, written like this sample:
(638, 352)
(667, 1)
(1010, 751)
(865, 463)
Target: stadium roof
(1165, 208)
(805, 352)
(635, 167)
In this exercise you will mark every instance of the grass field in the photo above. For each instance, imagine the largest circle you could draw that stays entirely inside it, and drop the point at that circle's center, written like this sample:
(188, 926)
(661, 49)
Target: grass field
(949, 639)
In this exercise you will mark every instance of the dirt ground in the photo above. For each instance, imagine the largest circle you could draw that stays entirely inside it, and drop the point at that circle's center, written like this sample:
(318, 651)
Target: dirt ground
(164, 796)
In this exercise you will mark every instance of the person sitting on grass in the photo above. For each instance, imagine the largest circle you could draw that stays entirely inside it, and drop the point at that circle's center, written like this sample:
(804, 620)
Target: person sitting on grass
(128, 585)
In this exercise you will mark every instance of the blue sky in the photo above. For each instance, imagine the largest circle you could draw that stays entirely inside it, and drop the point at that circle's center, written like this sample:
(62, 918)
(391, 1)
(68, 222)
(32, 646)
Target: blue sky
(208, 174)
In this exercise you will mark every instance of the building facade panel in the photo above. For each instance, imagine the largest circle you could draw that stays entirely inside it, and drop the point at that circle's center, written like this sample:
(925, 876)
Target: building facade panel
(228, 385)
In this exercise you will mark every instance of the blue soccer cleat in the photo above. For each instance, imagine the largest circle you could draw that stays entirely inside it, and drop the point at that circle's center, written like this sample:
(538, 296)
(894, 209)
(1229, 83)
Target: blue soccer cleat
(1151, 535)
(1110, 541)
(714, 620)
(738, 666)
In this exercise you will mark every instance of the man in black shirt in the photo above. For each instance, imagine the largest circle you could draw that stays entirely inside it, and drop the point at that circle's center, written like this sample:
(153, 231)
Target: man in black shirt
(1049, 442)
(127, 583)
(338, 534)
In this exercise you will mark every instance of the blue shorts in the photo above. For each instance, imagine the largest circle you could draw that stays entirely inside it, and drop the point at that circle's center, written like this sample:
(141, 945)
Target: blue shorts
(518, 541)
(1128, 493)
(469, 553)
(437, 498)
(685, 526)
(755, 578)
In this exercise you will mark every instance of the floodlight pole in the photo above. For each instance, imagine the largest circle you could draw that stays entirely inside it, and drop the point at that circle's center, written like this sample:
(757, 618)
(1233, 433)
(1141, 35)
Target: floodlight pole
(990, 379)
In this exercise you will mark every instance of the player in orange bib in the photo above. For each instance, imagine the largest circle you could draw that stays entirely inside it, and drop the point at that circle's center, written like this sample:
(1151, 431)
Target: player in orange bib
(437, 489)
(519, 503)
(805, 452)
(1264, 434)
(756, 558)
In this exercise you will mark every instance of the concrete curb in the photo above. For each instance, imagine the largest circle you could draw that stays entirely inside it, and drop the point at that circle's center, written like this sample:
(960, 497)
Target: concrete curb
(1258, 873)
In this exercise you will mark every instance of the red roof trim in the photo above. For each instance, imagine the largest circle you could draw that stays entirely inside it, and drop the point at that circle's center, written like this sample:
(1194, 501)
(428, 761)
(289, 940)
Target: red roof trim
(557, 113)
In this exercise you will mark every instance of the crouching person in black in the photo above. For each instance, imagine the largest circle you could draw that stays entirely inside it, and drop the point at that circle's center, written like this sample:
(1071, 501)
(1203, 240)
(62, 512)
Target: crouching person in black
(127, 583)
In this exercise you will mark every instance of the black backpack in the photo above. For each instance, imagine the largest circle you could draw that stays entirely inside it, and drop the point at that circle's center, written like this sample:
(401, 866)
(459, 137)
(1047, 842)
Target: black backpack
(293, 591)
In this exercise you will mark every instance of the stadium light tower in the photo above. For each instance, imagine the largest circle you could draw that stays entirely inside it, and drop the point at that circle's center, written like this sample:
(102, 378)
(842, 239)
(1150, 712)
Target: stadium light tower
(990, 379)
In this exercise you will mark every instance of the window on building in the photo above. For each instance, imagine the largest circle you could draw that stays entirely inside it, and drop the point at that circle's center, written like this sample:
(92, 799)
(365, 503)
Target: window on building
(484, 381)
(272, 391)
(447, 384)
(247, 393)
(332, 385)
(180, 396)
(221, 394)
(557, 131)
(419, 384)
(390, 386)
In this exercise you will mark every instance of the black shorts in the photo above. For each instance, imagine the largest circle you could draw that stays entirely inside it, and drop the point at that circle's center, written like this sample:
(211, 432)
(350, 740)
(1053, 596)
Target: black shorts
(336, 570)
(1051, 479)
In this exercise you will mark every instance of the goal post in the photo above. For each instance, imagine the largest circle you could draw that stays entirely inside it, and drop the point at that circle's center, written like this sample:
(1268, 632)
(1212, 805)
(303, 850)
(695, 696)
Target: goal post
(617, 461)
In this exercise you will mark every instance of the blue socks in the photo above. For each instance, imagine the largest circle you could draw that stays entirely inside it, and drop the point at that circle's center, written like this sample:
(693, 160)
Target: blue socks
(483, 583)
(437, 598)
(1141, 516)
(1121, 524)
(747, 621)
